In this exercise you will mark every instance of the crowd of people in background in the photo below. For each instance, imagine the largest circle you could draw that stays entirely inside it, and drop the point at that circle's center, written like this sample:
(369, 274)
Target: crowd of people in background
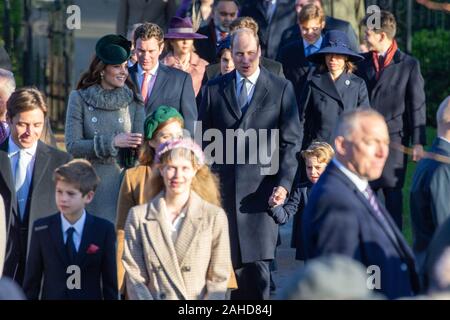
(137, 207)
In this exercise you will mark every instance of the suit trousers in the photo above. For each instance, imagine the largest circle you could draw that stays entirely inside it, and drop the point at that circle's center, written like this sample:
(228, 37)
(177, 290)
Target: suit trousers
(392, 199)
(253, 281)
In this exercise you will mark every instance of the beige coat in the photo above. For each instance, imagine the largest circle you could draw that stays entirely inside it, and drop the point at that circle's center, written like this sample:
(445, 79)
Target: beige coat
(196, 266)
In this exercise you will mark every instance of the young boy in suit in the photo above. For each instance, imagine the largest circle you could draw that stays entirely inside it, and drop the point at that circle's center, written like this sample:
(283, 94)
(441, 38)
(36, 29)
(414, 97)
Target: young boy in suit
(72, 253)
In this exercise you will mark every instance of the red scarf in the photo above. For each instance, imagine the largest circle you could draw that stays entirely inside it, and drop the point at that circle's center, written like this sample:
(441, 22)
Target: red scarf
(387, 59)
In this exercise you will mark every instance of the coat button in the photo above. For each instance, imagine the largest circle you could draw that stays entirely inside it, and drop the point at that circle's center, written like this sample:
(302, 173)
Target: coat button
(186, 269)
(162, 295)
(347, 82)
(90, 109)
(94, 119)
(120, 120)
(403, 267)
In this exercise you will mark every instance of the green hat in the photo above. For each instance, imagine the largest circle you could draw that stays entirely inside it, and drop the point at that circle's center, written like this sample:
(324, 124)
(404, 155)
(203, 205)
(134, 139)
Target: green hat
(160, 115)
(113, 49)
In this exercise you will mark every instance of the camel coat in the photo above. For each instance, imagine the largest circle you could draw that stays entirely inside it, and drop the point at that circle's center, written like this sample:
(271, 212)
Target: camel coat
(196, 266)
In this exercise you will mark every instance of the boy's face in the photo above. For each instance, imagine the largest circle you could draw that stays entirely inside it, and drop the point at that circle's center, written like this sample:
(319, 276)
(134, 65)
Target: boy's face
(314, 169)
(69, 200)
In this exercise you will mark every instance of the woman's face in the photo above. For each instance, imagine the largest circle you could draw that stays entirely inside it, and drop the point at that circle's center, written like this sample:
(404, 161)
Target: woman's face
(170, 131)
(226, 62)
(182, 46)
(335, 62)
(314, 169)
(114, 76)
(177, 176)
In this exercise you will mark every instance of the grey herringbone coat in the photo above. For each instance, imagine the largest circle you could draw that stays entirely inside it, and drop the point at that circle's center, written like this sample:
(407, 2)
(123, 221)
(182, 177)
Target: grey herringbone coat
(94, 117)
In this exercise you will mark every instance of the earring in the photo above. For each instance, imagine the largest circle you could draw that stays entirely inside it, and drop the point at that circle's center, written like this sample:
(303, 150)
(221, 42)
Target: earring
(102, 75)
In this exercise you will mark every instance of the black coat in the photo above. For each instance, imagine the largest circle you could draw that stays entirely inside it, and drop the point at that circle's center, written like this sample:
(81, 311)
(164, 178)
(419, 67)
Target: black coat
(429, 204)
(270, 33)
(246, 187)
(293, 32)
(324, 104)
(172, 88)
(206, 48)
(400, 97)
(339, 219)
(48, 262)
(40, 203)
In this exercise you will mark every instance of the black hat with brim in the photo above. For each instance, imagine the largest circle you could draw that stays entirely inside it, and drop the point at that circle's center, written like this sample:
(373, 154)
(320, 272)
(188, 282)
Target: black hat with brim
(335, 42)
(113, 49)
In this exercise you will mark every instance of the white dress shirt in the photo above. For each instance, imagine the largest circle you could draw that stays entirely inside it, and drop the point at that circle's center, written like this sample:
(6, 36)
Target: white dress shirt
(250, 83)
(78, 226)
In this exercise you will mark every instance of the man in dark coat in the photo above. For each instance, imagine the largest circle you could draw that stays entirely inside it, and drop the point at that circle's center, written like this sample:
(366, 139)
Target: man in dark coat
(429, 204)
(293, 33)
(344, 216)
(272, 17)
(396, 90)
(160, 84)
(224, 12)
(251, 102)
(26, 184)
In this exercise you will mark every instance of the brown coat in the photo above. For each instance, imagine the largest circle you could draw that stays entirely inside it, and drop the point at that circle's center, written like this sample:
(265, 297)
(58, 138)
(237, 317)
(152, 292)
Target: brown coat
(196, 266)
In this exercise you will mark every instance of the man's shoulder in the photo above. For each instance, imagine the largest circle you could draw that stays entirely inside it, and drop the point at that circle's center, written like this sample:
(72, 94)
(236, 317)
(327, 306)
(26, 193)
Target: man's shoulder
(173, 72)
(100, 223)
(43, 223)
(56, 154)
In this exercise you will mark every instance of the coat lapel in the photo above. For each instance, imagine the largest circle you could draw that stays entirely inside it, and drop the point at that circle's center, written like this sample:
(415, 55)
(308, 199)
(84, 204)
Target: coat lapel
(5, 165)
(41, 164)
(55, 231)
(134, 76)
(229, 92)
(324, 83)
(161, 79)
(87, 238)
(387, 72)
(189, 228)
(158, 234)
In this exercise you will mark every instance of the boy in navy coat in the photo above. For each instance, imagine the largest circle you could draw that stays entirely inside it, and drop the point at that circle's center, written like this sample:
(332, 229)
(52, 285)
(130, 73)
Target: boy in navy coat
(72, 253)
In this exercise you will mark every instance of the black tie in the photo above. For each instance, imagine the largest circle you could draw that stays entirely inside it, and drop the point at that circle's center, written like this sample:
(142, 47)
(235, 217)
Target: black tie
(70, 245)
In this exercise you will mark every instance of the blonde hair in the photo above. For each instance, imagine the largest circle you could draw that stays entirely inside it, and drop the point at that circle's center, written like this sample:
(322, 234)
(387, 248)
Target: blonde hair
(321, 150)
(204, 183)
(310, 12)
(244, 22)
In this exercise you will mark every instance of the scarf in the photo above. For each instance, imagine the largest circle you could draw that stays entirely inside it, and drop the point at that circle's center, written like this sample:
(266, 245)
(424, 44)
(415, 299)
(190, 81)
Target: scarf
(387, 59)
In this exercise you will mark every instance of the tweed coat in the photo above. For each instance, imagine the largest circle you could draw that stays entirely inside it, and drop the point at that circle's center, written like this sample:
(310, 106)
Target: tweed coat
(196, 266)
(94, 117)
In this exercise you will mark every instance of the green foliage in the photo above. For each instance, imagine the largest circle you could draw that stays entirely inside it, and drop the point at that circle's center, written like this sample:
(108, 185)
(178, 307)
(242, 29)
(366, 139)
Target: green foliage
(431, 47)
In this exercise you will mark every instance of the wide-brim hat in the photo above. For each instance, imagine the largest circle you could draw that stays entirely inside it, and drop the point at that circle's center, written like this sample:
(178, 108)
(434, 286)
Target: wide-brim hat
(181, 28)
(113, 49)
(336, 42)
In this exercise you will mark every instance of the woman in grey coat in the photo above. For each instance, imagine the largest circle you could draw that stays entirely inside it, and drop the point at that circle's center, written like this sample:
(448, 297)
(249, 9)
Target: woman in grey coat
(104, 121)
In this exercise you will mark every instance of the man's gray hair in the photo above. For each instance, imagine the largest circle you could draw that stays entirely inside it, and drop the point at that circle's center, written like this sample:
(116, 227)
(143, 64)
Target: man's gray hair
(348, 120)
(240, 31)
(443, 113)
(7, 82)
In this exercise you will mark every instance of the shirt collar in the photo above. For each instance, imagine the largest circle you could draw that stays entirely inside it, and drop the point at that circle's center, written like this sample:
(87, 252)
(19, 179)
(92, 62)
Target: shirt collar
(253, 78)
(13, 148)
(77, 225)
(444, 139)
(152, 71)
(316, 44)
(361, 184)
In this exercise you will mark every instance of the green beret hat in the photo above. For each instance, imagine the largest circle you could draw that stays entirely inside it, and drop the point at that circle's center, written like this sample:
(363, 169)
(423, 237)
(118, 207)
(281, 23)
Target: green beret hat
(160, 115)
(113, 49)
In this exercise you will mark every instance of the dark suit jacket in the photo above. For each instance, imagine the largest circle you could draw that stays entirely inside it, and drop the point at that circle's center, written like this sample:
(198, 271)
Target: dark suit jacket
(429, 203)
(206, 48)
(41, 202)
(324, 104)
(48, 261)
(245, 187)
(293, 32)
(339, 219)
(270, 33)
(213, 70)
(400, 97)
(172, 88)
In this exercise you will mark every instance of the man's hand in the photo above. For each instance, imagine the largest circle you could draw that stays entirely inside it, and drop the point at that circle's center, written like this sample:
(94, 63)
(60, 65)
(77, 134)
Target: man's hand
(417, 152)
(278, 196)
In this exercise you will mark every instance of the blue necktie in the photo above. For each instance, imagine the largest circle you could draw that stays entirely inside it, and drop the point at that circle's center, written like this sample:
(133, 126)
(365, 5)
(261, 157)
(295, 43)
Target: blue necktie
(243, 96)
(70, 245)
(21, 182)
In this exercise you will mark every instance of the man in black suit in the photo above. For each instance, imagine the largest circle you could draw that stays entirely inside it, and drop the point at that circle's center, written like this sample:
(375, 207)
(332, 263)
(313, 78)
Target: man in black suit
(293, 33)
(430, 189)
(344, 216)
(272, 16)
(26, 185)
(160, 84)
(224, 12)
(251, 102)
(396, 90)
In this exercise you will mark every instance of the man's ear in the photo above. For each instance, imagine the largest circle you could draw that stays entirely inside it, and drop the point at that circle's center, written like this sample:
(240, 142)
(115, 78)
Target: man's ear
(89, 196)
(340, 145)
(161, 48)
